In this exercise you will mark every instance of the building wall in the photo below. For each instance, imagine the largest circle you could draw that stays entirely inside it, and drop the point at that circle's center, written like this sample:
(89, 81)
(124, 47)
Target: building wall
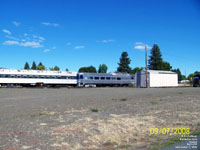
(163, 80)
(140, 79)
(156, 79)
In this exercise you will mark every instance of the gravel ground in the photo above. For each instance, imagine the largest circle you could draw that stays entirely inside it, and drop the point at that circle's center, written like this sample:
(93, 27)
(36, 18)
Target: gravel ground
(61, 119)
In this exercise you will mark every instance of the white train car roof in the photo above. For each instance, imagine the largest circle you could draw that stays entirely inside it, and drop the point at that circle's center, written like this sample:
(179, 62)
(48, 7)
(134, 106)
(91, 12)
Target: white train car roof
(37, 72)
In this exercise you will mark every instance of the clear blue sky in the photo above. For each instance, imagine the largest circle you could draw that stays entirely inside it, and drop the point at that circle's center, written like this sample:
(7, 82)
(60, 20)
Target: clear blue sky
(76, 33)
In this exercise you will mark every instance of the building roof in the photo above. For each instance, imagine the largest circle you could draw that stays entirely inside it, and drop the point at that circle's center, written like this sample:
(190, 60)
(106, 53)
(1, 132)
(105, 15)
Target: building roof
(160, 72)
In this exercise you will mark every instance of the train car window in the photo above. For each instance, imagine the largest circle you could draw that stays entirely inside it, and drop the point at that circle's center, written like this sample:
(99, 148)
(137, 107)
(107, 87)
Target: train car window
(12, 76)
(63, 77)
(86, 78)
(91, 78)
(102, 78)
(81, 76)
(96, 78)
(113, 78)
(107, 78)
(118, 78)
(72, 77)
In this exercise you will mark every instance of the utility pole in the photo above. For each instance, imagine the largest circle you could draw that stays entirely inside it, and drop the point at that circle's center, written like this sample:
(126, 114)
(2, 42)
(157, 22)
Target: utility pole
(146, 66)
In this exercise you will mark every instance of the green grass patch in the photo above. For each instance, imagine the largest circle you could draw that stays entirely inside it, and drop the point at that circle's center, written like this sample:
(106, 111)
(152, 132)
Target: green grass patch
(154, 102)
(171, 141)
(94, 110)
(196, 133)
(123, 99)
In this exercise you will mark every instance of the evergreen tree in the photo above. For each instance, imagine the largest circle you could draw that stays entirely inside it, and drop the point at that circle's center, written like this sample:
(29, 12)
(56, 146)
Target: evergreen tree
(165, 66)
(155, 61)
(34, 67)
(180, 76)
(56, 68)
(124, 63)
(102, 68)
(26, 66)
(66, 69)
(40, 66)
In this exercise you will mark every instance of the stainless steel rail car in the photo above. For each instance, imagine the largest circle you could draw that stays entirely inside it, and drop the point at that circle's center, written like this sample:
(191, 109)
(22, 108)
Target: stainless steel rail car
(104, 79)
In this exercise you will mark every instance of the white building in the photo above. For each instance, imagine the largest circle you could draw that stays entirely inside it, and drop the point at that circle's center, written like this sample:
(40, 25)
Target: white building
(156, 78)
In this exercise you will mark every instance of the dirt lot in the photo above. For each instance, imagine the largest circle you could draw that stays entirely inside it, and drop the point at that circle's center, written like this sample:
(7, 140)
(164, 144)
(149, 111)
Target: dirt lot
(93, 118)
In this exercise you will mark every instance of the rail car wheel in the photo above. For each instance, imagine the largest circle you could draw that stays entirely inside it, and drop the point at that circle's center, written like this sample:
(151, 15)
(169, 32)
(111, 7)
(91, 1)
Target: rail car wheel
(40, 84)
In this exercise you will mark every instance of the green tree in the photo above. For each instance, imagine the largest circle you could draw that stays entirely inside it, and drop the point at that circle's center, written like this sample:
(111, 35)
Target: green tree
(183, 77)
(136, 69)
(90, 69)
(155, 61)
(165, 66)
(26, 66)
(56, 68)
(103, 68)
(180, 77)
(33, 67)
(190, 76)
(66, 69)
(196, 73)
(40, 66)
(124, 63)
(51, 68)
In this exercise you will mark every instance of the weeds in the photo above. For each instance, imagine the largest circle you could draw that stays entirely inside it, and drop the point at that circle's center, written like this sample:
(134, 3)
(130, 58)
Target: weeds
(154, 102)
(94, 110)
(123, 99)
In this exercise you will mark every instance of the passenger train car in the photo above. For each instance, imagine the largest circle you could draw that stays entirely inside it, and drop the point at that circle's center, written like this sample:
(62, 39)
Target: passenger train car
(105, 79)
(9, 78)
(35, 77)
(196, 81)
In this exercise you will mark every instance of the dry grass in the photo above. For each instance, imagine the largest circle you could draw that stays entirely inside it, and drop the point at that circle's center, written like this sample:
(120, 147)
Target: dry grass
(118, 131)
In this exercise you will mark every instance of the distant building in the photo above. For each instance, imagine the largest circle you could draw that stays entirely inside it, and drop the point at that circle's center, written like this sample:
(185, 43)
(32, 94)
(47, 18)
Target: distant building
(185, 81)
(156, 78)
